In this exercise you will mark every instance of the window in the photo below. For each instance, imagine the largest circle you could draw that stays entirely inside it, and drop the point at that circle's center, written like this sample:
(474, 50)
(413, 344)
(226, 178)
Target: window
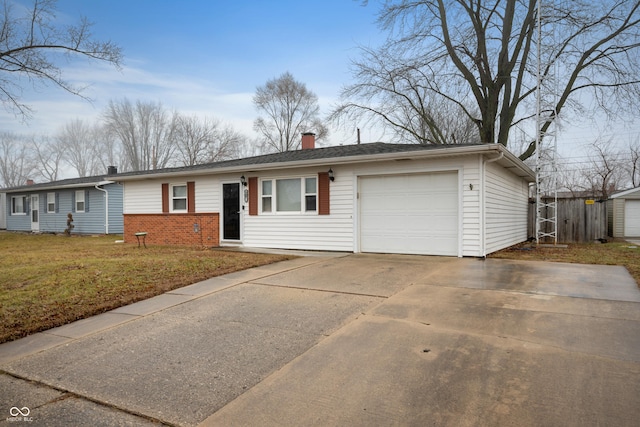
(266, 196)
(310, 194)
(178, 198)
(290, 194)
(80, 201)
(19, 205)
(51, 202)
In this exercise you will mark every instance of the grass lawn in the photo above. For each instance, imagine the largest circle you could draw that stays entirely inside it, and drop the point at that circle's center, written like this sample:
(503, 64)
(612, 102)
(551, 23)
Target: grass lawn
(48, 280)
(613, 253)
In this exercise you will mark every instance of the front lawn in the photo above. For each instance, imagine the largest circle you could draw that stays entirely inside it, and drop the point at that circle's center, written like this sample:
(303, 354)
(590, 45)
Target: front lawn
(613, 253)
(48, 280)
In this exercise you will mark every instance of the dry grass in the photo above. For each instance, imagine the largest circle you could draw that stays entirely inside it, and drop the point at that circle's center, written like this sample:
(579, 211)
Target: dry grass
(613, 253)
(48, 281)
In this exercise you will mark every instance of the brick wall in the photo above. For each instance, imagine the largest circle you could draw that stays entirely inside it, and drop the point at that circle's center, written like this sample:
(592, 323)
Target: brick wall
(193, 229)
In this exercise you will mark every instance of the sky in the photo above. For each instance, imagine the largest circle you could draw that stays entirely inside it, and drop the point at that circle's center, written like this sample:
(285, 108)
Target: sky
(207, 57)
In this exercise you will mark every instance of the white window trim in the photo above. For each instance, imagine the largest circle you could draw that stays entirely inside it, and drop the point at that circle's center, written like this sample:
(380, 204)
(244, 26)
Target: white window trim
(186, 198)
(84, 202)
(274, 196)
(305, 194)
(24, 204)
(50, 203)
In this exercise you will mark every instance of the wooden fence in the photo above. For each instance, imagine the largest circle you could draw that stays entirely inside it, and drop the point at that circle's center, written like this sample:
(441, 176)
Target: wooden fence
(580, 220)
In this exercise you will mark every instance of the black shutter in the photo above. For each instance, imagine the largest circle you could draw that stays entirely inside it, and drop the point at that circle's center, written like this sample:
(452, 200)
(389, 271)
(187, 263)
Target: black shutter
(86, 201)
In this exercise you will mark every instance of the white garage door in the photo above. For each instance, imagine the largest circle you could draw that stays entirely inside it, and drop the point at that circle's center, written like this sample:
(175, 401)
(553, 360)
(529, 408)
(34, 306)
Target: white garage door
(409, 214)
(632, 218)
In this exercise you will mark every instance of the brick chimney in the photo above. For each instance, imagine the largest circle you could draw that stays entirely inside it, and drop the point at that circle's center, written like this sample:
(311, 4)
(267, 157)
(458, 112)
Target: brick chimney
(30, 182)
(308, 141)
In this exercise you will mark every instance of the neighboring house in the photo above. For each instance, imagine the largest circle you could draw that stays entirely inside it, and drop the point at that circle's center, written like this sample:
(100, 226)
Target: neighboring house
(94, 202)
(624, 213)
(459, 200)
(3, 211)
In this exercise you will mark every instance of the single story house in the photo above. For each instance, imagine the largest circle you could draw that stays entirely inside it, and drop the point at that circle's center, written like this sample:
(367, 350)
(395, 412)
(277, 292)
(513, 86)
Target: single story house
(95, 203)
(624, 213)
(457, 200)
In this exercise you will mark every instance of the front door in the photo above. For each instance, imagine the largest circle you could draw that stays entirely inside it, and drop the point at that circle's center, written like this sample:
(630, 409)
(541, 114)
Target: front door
(231, 211)
(35, 211)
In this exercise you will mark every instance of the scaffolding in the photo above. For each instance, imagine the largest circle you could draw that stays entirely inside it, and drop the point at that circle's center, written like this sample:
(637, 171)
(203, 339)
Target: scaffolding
(546, 162)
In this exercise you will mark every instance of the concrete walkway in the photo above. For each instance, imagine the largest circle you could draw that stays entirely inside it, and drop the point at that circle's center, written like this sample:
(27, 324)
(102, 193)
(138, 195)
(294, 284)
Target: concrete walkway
(347, 340)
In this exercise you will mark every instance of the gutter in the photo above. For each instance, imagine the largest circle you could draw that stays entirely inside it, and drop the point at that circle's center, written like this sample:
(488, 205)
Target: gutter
(106, 205)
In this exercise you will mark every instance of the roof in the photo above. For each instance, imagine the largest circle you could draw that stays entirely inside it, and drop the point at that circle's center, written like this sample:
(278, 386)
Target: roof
(625, 193)
(87, 181)
(342, 154)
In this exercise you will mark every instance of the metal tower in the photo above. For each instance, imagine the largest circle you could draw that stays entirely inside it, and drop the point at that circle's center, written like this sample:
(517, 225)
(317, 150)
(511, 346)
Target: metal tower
(546, 164)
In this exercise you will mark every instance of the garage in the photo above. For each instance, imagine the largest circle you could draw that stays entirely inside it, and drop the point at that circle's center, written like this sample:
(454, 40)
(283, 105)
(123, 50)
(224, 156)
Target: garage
(409, 214)
(632, 218)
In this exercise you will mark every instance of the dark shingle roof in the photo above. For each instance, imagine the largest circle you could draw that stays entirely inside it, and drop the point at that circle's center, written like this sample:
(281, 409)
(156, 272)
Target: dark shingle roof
(333, 152)
(70, 182)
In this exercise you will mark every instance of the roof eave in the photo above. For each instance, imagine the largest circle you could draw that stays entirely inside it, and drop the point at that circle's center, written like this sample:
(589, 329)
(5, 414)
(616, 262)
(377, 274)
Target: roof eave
(53, 186)
(516, 164)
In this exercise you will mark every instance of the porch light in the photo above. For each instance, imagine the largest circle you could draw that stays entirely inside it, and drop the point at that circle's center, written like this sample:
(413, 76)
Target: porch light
(331, 177)
(243, 180)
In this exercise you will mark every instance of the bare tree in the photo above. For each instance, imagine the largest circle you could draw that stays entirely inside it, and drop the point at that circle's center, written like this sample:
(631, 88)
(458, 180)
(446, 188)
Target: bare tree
(394, 96)
(480, 56)
(604, 174)
(49, 157)
(289, 109)
(76, 142)
(633, 166)
(106, 148)
(32, 43)
(202, 141)
(16, 161)
(146, 131)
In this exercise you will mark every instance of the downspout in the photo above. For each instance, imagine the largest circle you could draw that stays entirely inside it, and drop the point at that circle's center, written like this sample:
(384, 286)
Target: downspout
(484, 201)
(106, 208)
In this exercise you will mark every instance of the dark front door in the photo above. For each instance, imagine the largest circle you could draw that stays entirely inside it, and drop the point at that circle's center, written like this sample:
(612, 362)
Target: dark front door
(231, 211)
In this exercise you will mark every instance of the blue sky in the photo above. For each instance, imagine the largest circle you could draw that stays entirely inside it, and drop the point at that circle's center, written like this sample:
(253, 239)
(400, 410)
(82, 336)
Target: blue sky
(207, 57)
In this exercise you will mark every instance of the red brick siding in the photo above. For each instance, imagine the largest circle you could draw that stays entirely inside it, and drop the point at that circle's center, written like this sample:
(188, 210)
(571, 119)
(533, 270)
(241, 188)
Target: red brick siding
(174, 229)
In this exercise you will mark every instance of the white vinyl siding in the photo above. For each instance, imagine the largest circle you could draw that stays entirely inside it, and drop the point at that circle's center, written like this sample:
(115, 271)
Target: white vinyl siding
(506, 208)
(291, 230)
(616, 211)
(145, 197)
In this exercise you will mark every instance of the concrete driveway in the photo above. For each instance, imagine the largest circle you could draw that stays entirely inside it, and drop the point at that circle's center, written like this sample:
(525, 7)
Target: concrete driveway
(347, 340)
